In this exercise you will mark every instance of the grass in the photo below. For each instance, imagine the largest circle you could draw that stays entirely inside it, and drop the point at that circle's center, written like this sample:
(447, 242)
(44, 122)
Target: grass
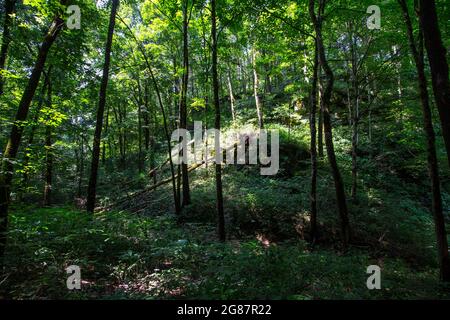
(125, 256)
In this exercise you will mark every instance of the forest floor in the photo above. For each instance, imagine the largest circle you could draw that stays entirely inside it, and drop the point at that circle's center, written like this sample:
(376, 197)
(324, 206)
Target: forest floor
(128, 256)
(140, 250)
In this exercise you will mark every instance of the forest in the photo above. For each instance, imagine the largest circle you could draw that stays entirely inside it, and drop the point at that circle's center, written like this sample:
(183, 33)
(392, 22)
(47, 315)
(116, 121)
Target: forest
(224, 149)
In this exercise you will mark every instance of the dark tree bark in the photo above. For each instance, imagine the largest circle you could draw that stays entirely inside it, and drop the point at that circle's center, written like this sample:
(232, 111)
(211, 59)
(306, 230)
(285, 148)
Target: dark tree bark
(81, 167)
(103, 140)
(354, 113)
(433, 169)
(320, 131)
(146, 120)
(91, 194)
(48, 151)
(312, 126)
(215, 82)
(17, 128)
(9, 8)
(140, 105)
(183, 104)
(438, 64)
(338, 183)
(230, 90)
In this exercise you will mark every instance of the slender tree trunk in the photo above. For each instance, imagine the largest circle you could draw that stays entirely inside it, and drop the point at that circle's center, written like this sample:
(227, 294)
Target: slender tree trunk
(230, 89)
(438, 64)
(163, 112)
(104, 141)
(183, 104)
(9, 8)
(312, 126)
(433, 170)
(92, 188)
(218, 168)
(355, 116)
(17, 129)
(256, 91)
(146, 119)
(81, 171)
(339, 185)
(48, 151)
(140, 159)
(320, 134)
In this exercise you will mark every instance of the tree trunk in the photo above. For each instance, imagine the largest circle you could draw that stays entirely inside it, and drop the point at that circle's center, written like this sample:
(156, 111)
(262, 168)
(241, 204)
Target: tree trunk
(355, 115)
(91, 194)
(230, 89)
(339, 185)
(6, 40)
(104, 141)
(48, 151)
(146, 119)
(312, 126)
(320, 133)
(256, 91)
(215, 80)
(81, 169)
(183, 104)
(17, 129)
(438, 64)
(140, 159)
(433, 170)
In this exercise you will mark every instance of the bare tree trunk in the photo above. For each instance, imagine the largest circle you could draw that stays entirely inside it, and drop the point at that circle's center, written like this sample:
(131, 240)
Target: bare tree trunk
(312, 126)
(433, 170)
(339, 185)
(355, 115)
(146, 119)
(219, 195)
(48, 151)
(438, 64)
(230, 89)
(92, 188)
(104, 140)
(9, 8)
(320, 133)
(183, 104)
(256, 91)
(140, 159)
(81, 170)
(17, 129)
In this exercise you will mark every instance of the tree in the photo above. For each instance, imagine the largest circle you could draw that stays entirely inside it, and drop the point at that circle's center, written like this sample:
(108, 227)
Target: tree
(183, 99)
(259, 111)
(9, 7)
(338, 183)
(438, 65)
(312, 126)
(433, 170)
(48, 149)
(91, 195)
(215, 83)
(17, 128)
